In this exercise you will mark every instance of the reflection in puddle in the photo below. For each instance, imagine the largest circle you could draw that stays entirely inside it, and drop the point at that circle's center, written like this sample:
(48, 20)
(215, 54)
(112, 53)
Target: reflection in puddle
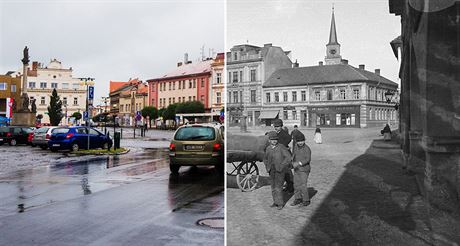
(146, 167)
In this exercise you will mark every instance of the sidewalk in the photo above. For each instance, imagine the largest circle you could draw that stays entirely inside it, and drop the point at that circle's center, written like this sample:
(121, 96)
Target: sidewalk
(360, 197)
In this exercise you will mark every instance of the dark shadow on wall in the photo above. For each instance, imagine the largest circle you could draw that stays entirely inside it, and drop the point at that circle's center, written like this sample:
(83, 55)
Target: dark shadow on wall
(373, 202)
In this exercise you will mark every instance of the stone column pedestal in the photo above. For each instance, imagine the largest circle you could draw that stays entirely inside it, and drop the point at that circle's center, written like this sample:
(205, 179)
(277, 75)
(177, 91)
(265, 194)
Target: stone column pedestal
(442, 172)
(23, 119)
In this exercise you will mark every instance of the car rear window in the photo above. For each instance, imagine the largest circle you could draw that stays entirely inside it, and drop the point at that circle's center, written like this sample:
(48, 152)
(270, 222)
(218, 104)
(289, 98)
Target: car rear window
(195, 133)
(4, 129)
(27, 130)
(60, 130)
(41, 130)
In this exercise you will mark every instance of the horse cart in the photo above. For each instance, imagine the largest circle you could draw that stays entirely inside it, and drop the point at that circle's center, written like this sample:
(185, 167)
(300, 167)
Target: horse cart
(243, 154)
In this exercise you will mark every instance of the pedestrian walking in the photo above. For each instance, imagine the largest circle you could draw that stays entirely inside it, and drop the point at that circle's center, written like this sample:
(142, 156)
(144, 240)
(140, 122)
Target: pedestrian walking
(318, 139)
(386, 132)
(301, 158)
(277, 160)
(294, 132)
(284, 138)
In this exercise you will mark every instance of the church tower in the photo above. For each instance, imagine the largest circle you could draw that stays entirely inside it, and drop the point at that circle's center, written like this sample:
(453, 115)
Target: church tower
(333, 47)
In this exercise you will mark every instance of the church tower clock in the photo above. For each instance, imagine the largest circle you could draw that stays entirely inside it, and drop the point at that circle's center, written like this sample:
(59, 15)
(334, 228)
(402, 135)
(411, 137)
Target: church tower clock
(333, 47)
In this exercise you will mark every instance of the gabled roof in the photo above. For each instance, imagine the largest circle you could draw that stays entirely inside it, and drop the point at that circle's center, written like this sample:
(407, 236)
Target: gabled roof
(188, 69)
(114, 85)
(323, 74)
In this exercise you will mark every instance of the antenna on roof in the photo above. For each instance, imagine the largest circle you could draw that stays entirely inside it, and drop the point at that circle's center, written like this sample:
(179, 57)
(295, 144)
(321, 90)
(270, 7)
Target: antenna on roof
(202, 52)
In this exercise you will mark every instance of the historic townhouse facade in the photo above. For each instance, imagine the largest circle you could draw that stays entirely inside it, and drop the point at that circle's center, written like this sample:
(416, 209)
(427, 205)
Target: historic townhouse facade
(217, 92)
(332, 95)
(42, 80)
(126, 99)
(248, 67)
(188, 82)
(10, 90)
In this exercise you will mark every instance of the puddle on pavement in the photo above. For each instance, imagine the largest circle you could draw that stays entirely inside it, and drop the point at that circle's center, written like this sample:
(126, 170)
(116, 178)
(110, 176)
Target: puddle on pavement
(215, 223)
(146, 167)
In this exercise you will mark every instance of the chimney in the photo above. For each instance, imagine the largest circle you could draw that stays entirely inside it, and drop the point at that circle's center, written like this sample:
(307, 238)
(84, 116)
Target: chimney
(345, 61)
(377, 71)
(179, 64)
(268, 45)
(295, 64)
(34, 66)
(186, 58)
(361, 66)
(320, 63)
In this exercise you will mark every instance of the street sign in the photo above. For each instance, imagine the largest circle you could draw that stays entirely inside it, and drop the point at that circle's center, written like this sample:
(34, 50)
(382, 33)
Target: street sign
(138, 113)
(85, 115)
(138, 117)
(91, 92)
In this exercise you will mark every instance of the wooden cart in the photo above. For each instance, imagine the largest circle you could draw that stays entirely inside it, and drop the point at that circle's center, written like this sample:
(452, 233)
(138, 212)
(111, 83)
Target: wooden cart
(245, 168)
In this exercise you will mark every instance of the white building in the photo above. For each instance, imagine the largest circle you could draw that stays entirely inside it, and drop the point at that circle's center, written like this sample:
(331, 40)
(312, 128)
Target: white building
(42, 80)
(217, 92)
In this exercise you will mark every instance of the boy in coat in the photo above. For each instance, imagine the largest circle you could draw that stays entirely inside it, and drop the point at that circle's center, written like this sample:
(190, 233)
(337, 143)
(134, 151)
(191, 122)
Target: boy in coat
(277, 160)
(301, 164)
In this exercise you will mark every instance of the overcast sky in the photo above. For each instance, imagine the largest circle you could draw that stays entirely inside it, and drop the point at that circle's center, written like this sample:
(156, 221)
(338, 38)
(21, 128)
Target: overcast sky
(364, 29)
(110, 40)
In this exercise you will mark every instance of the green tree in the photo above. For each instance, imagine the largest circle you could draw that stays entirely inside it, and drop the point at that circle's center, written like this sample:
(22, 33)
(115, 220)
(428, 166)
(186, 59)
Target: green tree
(190, 107)
(151, 112)
(160, 113)
(55, 108)
(170, 113)
(77, 115)
(102, 117)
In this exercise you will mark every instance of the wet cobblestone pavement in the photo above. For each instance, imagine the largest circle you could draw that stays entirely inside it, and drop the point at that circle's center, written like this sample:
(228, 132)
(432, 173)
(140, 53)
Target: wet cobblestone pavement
(363, 198)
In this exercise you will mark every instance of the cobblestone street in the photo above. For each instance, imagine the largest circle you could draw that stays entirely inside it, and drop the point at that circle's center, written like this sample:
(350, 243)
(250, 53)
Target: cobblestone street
(360, 197)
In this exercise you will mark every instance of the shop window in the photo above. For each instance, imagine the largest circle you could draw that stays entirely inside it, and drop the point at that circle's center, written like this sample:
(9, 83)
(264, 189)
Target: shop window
(337, 119)
(285, 115)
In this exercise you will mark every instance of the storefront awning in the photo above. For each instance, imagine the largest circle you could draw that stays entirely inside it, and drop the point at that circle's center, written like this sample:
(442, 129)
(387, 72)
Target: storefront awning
(272, 114)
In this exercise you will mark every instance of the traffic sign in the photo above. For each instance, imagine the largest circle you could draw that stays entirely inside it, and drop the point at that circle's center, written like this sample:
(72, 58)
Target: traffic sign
(91, 92)
(138, 117)
(138, 113)
(85, 115)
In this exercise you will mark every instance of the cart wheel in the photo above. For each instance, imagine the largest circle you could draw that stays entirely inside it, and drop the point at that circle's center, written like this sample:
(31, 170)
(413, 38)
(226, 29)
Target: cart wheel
(247, 176)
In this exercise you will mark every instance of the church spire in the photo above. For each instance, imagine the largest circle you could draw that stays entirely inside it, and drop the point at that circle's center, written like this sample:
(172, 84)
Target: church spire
(333, 32)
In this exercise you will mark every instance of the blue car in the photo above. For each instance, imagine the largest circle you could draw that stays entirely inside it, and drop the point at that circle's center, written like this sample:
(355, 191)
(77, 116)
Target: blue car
(77, 137)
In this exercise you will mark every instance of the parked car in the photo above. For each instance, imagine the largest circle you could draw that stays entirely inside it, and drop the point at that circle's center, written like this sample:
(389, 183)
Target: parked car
(76, 137)
(14, 135)
(41, 136)
(197, 144)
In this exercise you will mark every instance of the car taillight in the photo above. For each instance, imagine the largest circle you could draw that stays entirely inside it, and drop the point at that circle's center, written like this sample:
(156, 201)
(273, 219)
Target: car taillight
(216, 147)
(8, 134)
(48, 136)
(172, 147)
(69, 135)
(31, 136)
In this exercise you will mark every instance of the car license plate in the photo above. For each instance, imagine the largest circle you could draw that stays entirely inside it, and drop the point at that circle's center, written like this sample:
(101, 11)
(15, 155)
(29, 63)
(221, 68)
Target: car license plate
(56, 145)
(194, 147)
(1, 139)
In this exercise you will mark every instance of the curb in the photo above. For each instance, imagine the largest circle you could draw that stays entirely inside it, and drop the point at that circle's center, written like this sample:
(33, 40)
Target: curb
(83, 154)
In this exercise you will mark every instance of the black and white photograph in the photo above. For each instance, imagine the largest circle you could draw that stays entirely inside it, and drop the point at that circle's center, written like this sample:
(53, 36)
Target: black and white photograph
(343, 122)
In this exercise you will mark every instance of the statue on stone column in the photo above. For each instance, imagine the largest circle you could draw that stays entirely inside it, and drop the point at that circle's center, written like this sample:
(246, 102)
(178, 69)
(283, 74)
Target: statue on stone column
(25, 103)
(33, 106)
(25, 59)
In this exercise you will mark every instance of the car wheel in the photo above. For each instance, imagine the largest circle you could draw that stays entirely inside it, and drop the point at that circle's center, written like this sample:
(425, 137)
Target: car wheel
(105, 146)
(174, 169)
(53, 149)
(43, 147)
(13, 142)
(74, 147)
(33, 145)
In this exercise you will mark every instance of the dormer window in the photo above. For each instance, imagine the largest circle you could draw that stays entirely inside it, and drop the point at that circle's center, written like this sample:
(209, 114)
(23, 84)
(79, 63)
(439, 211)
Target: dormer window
(235, 56)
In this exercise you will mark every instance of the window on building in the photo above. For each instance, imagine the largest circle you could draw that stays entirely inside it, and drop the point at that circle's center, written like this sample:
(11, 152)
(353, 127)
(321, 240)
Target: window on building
(174, 85)
(241, 76)
(42, 85)
(202, 98)
(173, 100)
(3, 86)
(294, 115)
(253, 96)
(235, 77)
(194, 83)
(329, 94)
(190, 98)
(75, 86)
(229, 77)
(303, 94)
(42, 101)
(65, 85)
(202, 83)
(54, 85)
(285, 96)
(235, 56)
(218, 97)
(194, 98)
(180, 83)
(342, 94)
(241, 96)
(253, 75)
(183, 99)
(180, 99)
(285, 115)
(170, 86)
(169, 101)
(235, 96)
(218, 78)
(277, 97)
(13, 88)
(294, 96)
(31, 84)
(183, 84)
(64, 101)
(355, 93)
(31, 99)
(190, 83)
(317, 95)
(267, 97)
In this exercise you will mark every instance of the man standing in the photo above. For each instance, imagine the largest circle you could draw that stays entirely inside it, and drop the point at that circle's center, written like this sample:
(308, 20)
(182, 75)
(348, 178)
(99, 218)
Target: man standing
(284, 138)
(301, 162)
(293, 134)
(277, 160)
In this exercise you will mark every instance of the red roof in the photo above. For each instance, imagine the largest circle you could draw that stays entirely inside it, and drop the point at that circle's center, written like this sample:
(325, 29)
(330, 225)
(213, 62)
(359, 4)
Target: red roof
(189, 69)
(116, 85)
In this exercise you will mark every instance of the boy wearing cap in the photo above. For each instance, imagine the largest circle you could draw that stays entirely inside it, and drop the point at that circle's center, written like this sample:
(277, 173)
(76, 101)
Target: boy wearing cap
(284, 138)
(301, 163)
(277, 160)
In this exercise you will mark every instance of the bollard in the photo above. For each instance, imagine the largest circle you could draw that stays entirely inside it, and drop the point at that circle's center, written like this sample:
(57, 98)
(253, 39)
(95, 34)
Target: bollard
(134, 132)
(116, 140)
(108, 136)
(121, 133)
